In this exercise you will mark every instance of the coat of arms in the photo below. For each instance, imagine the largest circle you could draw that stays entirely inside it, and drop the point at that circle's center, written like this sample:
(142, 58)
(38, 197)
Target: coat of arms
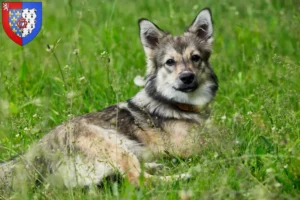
(22, 21)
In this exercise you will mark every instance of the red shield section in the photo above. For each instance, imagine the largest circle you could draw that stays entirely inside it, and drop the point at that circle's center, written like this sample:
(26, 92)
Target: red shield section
(7, 8)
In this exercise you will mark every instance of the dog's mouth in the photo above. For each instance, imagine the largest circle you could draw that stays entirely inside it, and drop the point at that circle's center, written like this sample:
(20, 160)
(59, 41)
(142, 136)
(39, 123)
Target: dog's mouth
(187, 88)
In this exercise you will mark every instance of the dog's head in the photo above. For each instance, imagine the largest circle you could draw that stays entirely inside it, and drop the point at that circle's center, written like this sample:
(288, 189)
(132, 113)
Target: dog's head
(178, 67)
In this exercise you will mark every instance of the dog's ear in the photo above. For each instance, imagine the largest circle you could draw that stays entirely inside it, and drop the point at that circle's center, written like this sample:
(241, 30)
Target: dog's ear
(202, 25)
(150, 35)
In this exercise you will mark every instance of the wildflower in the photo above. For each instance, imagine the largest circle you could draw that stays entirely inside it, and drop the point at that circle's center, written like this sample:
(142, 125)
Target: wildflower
(277, 185)
(71, 95)
(49, 48)
(37, 102)
(186, 194)
(216, 155)
(70, 116)
(237, 116)
(76, 51)
(4, 107)
(237, 142)
(223, 117)
(79, 14)
(81, 79)
(67, 67)
(103, 54)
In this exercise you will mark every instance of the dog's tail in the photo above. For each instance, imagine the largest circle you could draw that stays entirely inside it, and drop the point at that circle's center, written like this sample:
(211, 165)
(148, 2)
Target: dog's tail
(19, 173)
(6, 174)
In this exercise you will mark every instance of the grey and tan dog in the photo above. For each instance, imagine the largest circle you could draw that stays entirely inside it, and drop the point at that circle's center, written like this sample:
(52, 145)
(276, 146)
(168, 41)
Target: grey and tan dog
(163, 117)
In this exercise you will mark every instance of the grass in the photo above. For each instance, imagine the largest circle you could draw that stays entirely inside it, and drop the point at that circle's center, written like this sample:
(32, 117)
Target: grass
(255, 151)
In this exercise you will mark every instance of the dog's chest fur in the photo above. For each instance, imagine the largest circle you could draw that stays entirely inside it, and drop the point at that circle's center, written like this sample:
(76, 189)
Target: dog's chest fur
(141, 132)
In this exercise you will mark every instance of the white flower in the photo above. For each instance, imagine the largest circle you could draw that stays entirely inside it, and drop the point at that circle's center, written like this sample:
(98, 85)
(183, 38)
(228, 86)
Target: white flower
(76, 51)
(67, 67)
(277, 185)
(216, 155)
(49, 48)
(186, 194)
(103, 54)
(4, 107)
(81, 78)
(37, 102)
(196, 7)
(71, 95)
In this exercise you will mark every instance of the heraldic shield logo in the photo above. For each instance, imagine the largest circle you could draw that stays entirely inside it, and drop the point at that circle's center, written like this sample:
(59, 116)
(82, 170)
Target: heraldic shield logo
(22, 21)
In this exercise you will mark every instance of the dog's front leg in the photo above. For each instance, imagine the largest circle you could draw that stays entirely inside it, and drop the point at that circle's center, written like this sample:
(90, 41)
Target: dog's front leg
(154, 166)
(108, 146)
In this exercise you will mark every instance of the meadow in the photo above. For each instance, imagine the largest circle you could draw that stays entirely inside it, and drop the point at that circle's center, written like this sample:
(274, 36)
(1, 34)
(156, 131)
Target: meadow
(95, 52)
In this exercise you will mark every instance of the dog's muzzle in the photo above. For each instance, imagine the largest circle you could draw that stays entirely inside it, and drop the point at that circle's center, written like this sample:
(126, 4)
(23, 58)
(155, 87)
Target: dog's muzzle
(188, 82)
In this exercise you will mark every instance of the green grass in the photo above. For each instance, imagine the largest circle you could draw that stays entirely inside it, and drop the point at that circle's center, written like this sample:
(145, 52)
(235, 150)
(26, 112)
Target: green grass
(254, 153)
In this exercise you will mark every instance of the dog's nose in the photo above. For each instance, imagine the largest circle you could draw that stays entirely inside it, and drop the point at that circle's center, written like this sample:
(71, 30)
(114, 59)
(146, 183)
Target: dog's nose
(187, 78)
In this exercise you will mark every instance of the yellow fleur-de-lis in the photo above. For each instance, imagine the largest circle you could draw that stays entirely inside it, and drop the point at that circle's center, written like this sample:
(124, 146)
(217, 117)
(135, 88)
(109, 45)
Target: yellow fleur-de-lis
(14, 30)
(10, 13)
(10, 24)
(14, 19)
(18, 13)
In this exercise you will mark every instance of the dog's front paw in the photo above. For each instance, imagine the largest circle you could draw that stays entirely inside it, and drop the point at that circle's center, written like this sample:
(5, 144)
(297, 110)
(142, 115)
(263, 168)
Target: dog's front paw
(154, 166)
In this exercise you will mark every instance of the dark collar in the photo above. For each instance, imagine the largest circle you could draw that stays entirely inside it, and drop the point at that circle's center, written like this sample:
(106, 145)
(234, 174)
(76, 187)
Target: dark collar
(188, 107)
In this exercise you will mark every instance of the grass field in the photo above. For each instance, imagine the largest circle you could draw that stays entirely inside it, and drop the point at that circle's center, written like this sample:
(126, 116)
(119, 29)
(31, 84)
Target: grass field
(255, 151)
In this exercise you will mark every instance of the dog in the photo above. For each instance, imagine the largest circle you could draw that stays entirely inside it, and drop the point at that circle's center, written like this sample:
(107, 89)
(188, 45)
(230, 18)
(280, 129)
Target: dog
(163, 118)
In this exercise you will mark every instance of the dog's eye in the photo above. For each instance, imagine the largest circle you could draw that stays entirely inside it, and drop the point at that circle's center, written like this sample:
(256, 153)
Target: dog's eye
(195, 58)
(170, 62)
